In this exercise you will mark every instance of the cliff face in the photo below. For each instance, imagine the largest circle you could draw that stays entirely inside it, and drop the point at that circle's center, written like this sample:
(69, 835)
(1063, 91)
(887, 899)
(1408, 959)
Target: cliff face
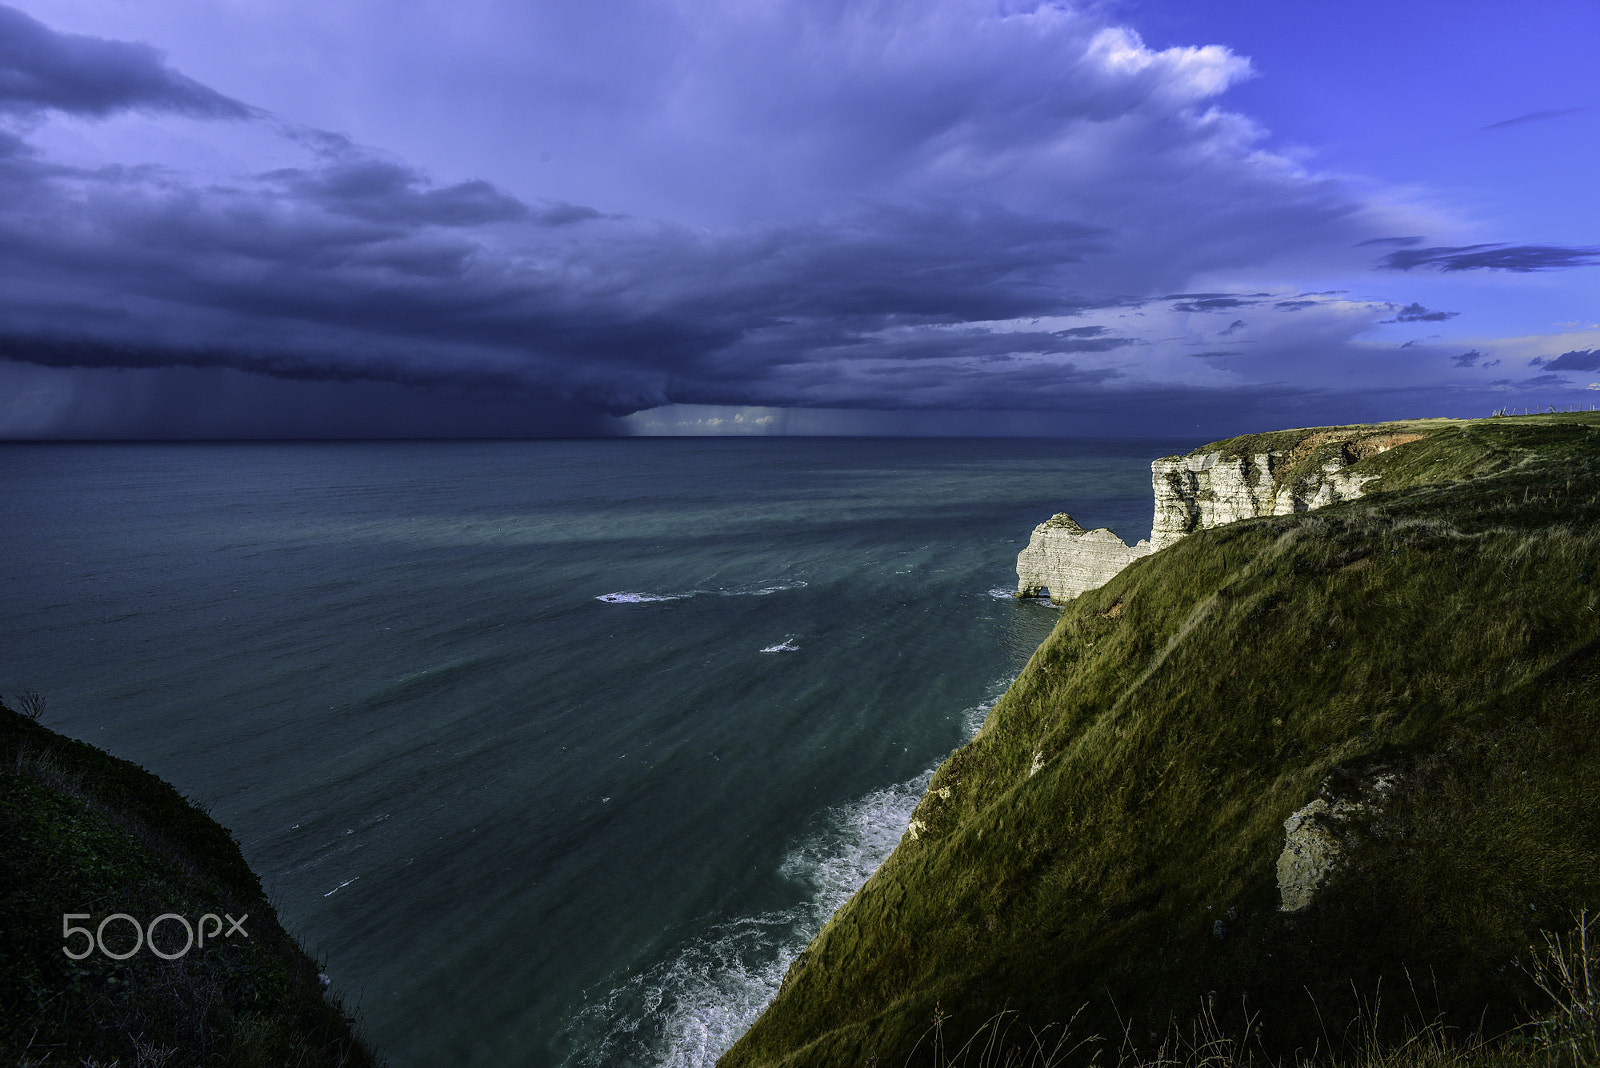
(1214, 485)
(1281, 767)
(1208, 489)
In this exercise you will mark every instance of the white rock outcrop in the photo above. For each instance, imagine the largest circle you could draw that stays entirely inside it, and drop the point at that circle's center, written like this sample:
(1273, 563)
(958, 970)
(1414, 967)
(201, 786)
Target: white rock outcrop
(1208, 490)
(1067, 560)
(1193, 493)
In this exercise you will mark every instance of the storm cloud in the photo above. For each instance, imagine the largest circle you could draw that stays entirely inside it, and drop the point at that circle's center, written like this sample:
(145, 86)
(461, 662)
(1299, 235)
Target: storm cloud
(40, 68)
(1584, 360)
(1416, 313)
(1493, 257)
(855, 204)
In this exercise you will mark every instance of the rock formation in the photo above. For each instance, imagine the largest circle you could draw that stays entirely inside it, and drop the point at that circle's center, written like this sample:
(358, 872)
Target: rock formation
(1067, 560)
(1197, 491)
(1316, 836)
(1209, 489)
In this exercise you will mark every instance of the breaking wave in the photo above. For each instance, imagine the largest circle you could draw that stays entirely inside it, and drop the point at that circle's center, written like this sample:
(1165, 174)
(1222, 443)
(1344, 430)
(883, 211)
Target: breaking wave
(630, 597)
(689, 1009)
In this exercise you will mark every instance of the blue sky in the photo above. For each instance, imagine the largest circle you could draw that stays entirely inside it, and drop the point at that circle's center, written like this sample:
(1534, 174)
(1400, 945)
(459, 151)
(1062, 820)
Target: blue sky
(295, 219)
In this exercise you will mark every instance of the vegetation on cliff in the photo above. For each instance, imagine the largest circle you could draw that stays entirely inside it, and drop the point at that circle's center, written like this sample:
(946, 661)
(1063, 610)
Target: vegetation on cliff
(1107, 848)
(85, 835)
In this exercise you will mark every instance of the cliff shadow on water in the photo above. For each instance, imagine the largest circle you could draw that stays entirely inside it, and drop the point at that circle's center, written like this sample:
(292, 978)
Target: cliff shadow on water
(1275, 773)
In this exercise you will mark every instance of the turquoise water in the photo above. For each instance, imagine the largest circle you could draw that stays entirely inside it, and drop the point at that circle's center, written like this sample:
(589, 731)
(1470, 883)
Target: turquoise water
(557, 752)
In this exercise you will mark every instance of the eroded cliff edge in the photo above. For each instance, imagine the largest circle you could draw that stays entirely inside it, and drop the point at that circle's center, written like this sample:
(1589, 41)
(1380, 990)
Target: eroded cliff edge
(1280, 768)
(1240, 478)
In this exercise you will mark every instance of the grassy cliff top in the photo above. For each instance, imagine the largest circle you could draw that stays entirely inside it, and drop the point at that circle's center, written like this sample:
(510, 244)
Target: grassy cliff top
(87, 834)
(1106, 849)
(1451, 450)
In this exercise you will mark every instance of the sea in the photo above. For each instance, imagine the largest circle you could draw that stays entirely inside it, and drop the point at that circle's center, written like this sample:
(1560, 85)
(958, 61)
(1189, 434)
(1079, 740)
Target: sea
(554, 753)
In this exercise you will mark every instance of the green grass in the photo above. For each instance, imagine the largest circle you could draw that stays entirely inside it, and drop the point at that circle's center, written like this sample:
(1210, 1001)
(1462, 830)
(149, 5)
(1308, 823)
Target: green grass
(1129, 791)
(84, 832)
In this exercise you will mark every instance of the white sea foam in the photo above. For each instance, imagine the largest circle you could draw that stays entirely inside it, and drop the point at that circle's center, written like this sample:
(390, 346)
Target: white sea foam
(341, 886)
(1001, 594)
(759, 591)
(785, 646)
(641, 598)
(688, 1010)
(631, 597)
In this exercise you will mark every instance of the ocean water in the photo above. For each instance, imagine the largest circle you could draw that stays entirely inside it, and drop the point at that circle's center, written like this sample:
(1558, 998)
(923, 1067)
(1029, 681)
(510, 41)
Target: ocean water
(556, 752)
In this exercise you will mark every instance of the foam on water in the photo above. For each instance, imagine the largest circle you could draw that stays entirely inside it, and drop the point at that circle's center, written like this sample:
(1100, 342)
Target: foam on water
(640, 598)
(630, 597)
(688, 1010)
(785, 646)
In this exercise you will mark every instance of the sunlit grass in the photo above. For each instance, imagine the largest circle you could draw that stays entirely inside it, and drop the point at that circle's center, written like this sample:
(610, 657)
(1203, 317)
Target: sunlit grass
(1105, 849)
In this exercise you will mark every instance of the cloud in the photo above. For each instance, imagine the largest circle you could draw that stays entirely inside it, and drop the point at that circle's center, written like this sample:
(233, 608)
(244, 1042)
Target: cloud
(1577, 360)
(1416, 313)
(381, 191)
(43, 69)
(1467, 359)
(1493, 257)
(1534, 116)
(1402, 241)
(1208, 302)
(841, 204)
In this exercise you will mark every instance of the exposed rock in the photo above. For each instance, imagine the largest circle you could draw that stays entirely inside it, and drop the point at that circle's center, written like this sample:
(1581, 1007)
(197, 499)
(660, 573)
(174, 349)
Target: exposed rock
(1067, 560)
(1317, 836)
(1196, 492)
(1193, 493)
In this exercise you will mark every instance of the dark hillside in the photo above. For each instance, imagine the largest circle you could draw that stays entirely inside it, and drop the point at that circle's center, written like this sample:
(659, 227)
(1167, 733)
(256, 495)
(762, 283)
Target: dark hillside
(86, 835)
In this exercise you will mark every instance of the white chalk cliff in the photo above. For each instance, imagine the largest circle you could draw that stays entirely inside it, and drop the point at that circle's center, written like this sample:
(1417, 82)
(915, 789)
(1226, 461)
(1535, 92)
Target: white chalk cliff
(1192, 493)
(1208, 490)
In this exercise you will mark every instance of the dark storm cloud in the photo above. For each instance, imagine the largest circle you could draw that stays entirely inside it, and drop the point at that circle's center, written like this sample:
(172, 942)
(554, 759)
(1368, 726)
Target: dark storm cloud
(1404, 242)
(40, 69)
(1416, 313)
(333, 273)
(870, 204)
(1210, 302)
(1578, 360)
(386, 192)
(1492, 257)
(1534, 116)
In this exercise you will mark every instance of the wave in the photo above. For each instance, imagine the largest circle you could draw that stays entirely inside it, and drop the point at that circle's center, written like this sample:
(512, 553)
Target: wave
(689, 1009)
(786, 646)
(640, 598)
(629, 597)
(1010, 595)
